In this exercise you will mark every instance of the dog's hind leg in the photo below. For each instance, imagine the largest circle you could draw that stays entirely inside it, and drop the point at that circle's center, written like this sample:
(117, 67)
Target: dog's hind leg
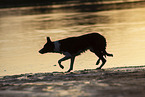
(98, 61)
(71, 64)
(100, 55)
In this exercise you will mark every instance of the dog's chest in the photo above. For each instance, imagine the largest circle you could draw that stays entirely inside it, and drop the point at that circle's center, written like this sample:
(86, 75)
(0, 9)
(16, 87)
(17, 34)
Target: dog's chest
(66, 53)
(57, 49)
(56, 46)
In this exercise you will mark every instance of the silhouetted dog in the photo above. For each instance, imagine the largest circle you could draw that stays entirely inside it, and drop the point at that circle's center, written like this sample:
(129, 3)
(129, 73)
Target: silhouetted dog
(73, 46)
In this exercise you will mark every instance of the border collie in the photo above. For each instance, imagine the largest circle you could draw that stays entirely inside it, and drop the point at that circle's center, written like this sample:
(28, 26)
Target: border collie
(73, 46)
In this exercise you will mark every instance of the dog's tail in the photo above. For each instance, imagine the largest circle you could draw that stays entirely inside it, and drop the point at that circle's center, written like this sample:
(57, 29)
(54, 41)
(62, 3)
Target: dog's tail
(105, 53)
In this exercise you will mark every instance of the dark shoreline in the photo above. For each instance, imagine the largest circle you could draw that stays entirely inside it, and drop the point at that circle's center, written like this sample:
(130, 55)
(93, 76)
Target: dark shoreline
(113, 82)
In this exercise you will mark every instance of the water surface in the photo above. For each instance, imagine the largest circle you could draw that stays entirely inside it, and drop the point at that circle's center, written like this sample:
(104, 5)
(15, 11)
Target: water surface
(23, 33)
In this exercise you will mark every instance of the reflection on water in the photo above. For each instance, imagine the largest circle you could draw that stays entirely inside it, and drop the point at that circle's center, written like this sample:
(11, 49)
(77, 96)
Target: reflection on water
(21, 36)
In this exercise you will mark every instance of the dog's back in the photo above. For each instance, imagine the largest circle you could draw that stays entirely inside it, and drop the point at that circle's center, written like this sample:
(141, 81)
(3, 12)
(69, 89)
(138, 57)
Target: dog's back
(76, 45)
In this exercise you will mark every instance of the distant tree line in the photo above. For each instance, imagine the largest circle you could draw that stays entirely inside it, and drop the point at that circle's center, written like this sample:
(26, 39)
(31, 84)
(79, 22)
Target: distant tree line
(19, 3)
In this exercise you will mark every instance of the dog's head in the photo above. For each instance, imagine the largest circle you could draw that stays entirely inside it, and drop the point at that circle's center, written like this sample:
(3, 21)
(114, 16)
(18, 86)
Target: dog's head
(48, 47)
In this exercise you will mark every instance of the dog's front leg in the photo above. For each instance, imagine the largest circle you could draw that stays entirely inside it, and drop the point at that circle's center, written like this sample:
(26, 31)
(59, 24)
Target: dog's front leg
(97, 63)
(71, 64)
(63, 59)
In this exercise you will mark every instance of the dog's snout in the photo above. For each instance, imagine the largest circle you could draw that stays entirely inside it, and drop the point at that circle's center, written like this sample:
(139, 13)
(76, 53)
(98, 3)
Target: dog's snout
(40, 51)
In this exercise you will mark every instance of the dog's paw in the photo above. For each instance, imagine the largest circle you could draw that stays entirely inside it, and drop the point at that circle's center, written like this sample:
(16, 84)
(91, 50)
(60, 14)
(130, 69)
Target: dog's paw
(98, 68)
(69, 70)
(62, 67)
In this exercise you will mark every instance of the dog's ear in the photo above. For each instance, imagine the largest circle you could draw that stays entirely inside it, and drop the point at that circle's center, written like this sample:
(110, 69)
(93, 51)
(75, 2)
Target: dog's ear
(48, 39)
